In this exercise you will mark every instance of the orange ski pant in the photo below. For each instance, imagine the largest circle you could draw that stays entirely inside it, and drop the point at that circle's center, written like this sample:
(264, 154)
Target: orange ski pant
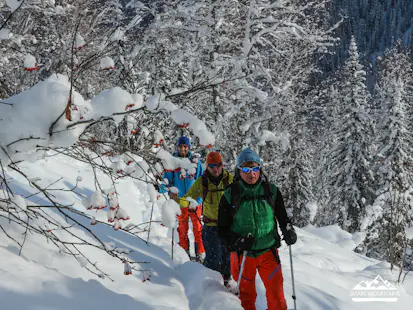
(270, 273)
(197, 229)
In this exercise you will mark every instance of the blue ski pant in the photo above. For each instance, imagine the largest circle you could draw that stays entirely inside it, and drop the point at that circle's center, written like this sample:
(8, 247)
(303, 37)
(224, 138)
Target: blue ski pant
(217, 256)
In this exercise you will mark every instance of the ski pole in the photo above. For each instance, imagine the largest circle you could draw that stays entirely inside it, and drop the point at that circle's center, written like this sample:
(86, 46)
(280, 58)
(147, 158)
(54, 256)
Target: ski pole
(292, 278)
(150, 222)
(244, 257)
(172, 250)
(196, 214)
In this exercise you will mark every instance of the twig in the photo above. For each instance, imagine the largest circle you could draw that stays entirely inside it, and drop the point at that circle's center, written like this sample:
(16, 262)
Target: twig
(2, 169)
(150, 222)
(71, 83)
(12, 13)
(25, 236)
(203, 87)
(9, 236)
(25, 139)
(54, 123)
(92, 121)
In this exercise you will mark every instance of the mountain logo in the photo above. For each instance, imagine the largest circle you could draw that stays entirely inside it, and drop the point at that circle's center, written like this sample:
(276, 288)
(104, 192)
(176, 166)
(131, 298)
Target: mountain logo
(375, 290)
(377, 284)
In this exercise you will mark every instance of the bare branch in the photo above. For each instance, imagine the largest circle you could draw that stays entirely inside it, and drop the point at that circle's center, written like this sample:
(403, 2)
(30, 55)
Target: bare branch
(12, 13)
(25, 139)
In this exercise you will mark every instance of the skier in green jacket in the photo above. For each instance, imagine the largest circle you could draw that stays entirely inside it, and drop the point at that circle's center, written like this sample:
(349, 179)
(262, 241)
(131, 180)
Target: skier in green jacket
(247, 221)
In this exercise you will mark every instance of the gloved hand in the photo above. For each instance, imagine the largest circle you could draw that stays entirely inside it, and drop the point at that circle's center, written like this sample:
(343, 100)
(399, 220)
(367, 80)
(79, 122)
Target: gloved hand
(192, 204)
(244, 243)
(173, 196)
(290, 237)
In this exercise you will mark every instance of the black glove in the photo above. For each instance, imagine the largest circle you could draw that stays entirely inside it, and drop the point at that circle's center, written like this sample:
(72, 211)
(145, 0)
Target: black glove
(244, 243)
(156, 187)
(290, 237)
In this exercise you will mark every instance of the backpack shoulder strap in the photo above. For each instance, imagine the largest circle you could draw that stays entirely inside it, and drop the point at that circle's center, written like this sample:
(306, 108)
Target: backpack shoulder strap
(225, 181)
(235, 196)
(204, 186)
(269, 194)
(269, 197)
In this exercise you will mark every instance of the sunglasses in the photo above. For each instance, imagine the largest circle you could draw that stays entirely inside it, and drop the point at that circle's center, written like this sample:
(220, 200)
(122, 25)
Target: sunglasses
(249, 169)
(214, 165)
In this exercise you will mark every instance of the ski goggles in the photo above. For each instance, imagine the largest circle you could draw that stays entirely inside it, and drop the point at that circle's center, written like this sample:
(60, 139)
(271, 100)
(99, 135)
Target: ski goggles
(249, 169)
(215, 165)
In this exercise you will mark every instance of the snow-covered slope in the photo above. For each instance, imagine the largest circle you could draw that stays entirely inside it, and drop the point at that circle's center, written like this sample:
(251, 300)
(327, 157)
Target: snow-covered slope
(41, 278)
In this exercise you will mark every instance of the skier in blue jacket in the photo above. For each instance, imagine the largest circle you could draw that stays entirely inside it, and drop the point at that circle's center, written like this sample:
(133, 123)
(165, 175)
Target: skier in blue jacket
(183, 180)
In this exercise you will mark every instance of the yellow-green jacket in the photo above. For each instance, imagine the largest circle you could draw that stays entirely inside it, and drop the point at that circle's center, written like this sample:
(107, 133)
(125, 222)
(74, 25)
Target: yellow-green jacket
(212, 199)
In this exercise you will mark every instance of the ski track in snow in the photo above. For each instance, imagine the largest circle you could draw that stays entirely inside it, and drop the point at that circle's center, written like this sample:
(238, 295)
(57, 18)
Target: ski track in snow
(325, 269)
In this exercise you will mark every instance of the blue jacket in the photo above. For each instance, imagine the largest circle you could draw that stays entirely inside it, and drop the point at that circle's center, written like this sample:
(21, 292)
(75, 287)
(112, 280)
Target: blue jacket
(183, 185)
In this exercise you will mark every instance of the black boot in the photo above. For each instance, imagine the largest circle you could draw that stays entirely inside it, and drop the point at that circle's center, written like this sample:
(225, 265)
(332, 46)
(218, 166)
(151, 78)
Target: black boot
(226, 278)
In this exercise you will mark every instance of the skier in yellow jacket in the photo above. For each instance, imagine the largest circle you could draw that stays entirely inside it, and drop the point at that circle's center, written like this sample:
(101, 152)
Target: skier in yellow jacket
(210, 187)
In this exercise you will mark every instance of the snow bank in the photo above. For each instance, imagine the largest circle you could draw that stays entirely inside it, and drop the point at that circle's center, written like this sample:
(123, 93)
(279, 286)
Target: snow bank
(43, 277)
(207, 283)
(152, 103)
(30, 115)
(182, 118)
(137, 100)
(170, 162)
(153, 194)
(170, 210)
(27, 118)
(335, 235)
(107, 63)
(110, 101)
(29, 61)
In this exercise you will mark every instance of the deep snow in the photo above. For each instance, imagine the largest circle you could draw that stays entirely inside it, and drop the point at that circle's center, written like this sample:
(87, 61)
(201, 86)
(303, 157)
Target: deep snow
(326, 270)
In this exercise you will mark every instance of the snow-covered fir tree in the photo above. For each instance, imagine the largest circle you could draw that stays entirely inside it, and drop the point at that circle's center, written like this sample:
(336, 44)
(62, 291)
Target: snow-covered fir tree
(327, 97)
(348, 163)
(300, 180)
(391, 214)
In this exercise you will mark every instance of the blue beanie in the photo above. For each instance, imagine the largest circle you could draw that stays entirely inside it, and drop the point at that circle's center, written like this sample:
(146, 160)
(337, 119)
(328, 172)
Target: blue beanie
(248, 155)
(184, 140)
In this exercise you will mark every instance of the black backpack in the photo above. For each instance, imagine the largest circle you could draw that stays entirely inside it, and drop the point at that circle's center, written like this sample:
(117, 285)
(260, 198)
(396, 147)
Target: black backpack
(205, 185)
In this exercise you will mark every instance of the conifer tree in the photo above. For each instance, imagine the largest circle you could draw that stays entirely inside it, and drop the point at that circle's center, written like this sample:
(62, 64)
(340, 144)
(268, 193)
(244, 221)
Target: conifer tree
(391, 212)
(348, 164)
